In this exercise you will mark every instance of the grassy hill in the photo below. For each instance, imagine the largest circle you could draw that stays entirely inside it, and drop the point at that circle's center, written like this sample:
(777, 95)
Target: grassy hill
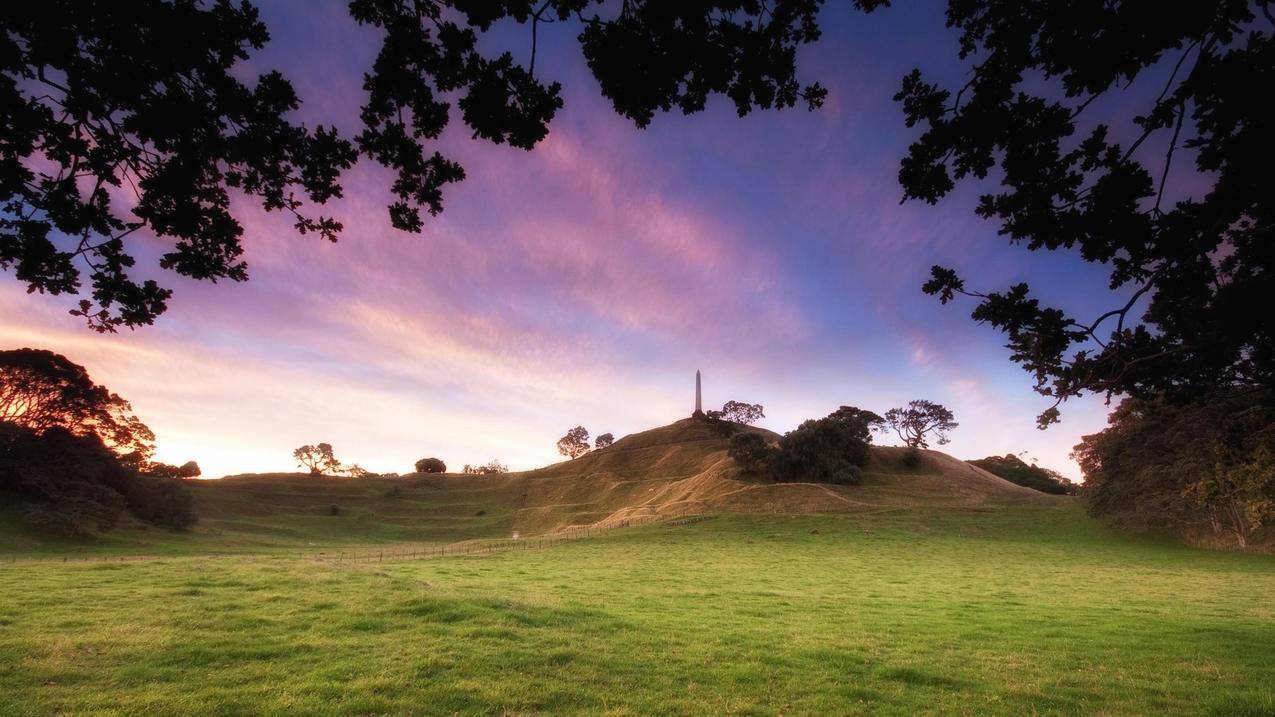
(673, 470)
(935, 590)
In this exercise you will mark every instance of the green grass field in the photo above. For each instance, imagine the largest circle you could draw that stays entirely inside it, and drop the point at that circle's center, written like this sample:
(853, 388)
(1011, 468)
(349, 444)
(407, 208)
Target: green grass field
(1025, 610)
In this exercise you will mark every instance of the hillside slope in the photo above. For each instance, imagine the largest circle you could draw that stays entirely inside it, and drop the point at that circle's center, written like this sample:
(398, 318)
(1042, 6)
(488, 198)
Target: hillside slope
(674, 470)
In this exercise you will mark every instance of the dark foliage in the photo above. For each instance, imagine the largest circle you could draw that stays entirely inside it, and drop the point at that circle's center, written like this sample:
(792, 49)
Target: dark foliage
(319, 459)
(1172, 194)
(861, 422)
(139, 99)
(603, 441)
(575, 443)
(75, 485)
(825, 450)
(751, 452)
(742, 413)
(189, 469)
(431, 465)
(1203, 468)
(912, 457)
(1015, 470)
(41, 390)
(920, 419)
(143, 99)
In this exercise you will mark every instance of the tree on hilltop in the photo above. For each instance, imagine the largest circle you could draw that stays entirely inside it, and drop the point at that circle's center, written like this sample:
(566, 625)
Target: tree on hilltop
(41, 389)
(603, 441)
(318, 458)
(740, 412)
(575, 443)
(431, 465)
(918, 420)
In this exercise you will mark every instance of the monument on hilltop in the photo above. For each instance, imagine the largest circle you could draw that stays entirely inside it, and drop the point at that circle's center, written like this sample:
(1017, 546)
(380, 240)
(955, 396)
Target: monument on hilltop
(699, 403)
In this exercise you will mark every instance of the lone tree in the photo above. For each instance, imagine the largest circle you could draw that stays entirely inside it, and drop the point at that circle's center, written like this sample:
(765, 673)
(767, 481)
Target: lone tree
(431, 465)
(575, 443)
(603, 441)
(740, 412)
(40, 390)
(318, 458)
(920, 419)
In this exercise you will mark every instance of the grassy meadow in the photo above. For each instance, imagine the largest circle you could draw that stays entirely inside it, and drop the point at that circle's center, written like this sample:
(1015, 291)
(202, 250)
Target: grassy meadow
(1023, 610)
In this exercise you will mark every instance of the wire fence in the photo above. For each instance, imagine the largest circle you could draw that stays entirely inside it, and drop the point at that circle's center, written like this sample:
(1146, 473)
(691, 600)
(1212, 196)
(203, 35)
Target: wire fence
(413, 552)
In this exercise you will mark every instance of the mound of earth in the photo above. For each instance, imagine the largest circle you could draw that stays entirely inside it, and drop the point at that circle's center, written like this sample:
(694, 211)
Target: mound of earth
(678, 469)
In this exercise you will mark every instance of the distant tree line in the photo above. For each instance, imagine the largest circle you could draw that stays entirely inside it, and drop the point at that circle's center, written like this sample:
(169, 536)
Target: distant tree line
(74, 459)
(1017, 471)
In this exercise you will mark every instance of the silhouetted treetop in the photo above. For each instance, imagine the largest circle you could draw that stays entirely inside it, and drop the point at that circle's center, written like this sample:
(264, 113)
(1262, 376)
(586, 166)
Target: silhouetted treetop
(40, 390)
(140, 99)
(916, 422)
(1188, 272)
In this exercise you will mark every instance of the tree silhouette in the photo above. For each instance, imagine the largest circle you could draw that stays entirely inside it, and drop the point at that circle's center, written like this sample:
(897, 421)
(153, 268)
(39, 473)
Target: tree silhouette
(919, 419)
(575, 443)
(740, 412)
(40, 390)
(88, 108)
(1188, 269)
(318, 458)
(603, 441)
(431, 465)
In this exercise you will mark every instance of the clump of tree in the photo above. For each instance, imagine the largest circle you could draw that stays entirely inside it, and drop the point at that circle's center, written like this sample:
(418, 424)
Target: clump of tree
(826, 450)
(1017, 471)
(739, 412)
(751, 452)
(431, 465)
(189, 469)
(319, 459)
(1202, 469)
(575, 443)
(73, 457)
(919, 421)
(490, 468)
(603, 441)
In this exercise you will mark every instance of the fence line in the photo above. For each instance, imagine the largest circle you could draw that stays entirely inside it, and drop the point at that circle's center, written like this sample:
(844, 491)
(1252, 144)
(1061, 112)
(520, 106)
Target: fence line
(480, 546)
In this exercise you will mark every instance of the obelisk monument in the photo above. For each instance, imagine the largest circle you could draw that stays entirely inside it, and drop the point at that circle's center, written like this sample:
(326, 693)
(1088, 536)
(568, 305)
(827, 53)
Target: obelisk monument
(699, 403)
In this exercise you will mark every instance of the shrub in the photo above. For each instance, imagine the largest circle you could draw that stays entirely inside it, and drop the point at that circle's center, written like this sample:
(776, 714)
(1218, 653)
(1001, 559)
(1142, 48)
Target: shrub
(825, 450)
(912, 457)
(431, 465)
(751, 452)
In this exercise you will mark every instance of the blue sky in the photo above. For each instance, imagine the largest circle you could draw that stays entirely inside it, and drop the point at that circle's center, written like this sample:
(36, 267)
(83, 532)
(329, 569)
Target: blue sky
(586, 281)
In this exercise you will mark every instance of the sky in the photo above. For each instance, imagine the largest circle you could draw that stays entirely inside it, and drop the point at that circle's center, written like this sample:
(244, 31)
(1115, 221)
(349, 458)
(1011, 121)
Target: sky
(584, 282)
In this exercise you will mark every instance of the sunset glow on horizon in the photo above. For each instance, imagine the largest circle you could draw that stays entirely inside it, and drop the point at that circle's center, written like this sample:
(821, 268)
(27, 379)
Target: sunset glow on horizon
(584, 282)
